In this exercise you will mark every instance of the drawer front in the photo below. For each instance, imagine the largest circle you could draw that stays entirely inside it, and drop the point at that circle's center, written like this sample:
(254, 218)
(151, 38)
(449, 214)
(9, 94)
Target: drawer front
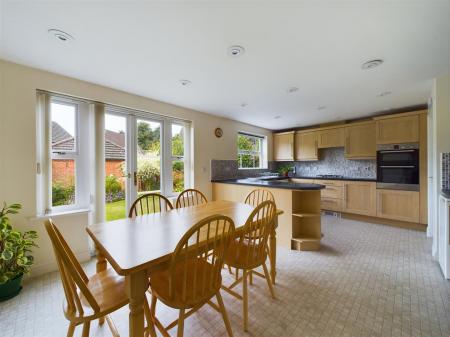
(331, 204)
(335, 192)
(338, 183)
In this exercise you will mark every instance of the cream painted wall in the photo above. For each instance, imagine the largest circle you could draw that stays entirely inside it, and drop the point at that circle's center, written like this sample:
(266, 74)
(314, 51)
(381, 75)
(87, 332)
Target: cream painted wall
(18, 86)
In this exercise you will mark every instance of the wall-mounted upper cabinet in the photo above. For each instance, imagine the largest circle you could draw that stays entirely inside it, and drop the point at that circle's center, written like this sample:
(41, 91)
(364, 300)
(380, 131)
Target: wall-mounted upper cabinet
(331, 138)
(396, 130)
(360, 141)
(306, 145)
(283, 146)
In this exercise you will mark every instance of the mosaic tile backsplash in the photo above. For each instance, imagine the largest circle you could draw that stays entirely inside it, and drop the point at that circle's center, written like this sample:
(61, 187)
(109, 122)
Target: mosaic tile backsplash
(445, 170)
(332, 161)
(228, 169)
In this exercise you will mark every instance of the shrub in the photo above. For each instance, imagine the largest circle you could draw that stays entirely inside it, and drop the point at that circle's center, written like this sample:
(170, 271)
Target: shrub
(62, 194)
(149, 176)
(112, 184)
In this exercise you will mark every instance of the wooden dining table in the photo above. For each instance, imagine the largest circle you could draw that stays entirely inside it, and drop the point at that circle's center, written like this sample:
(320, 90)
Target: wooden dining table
(134, 247)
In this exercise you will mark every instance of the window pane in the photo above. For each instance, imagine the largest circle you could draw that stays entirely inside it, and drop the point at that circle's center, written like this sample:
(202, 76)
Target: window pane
(249, 151)
(63, 127)
(115, 167)
(178, 175)
(148, 156)
(63, 182)
(177, 140)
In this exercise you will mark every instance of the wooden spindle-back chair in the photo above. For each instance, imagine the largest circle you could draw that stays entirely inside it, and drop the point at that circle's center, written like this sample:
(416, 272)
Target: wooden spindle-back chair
(257, 196)
(150, 203)
(86, 298)
(193, 276)
(190, 197)
(249, 250)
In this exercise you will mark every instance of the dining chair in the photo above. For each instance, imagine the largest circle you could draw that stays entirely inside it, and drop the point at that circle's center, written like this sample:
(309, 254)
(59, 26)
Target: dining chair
(87, 299)
(190, 197)
(255, 197)
(150, 203)
(192, 279)
(248, 251)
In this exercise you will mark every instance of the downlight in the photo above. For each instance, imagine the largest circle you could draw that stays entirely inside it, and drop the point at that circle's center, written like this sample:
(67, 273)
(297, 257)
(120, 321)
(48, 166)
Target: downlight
(61, 35)
(236, 51)
(372, 64)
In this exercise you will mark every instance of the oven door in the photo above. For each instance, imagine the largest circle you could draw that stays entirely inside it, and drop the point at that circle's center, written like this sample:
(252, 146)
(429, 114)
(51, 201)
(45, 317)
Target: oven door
(407, 157)
(398, 174)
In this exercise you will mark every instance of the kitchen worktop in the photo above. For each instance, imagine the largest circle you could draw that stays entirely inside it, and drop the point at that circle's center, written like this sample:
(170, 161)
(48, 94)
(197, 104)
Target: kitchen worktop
(273, 183)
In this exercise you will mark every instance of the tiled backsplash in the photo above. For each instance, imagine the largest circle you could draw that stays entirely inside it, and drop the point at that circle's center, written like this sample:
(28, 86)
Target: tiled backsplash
(228, 169)
(332, 161)
(445, 170)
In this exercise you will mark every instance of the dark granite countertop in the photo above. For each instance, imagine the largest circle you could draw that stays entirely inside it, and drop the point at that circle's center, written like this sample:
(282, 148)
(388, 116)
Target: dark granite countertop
(445, 193)
(343, 178)
(277, 183)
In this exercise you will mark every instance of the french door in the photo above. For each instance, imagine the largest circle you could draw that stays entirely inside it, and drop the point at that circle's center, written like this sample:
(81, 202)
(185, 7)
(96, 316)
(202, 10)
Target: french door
(143, 155)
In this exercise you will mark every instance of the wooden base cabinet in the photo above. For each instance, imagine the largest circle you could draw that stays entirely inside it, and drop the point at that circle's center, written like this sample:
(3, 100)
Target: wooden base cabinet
(398, 205)
(360, 197)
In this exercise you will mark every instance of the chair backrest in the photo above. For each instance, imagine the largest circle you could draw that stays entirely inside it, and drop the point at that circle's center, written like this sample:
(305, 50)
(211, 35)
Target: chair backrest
(150, 203)
(198, 259)
(257, 196)
(190, 197)
(256, 232)
(73, 277)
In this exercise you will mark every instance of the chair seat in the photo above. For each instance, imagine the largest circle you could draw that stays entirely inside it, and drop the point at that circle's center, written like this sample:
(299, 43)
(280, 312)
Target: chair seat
(243, 256)
(108, 289)
(159, 283)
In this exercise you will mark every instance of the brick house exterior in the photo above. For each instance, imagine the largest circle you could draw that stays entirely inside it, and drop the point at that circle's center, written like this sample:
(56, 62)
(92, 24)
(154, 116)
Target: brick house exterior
(63, 170)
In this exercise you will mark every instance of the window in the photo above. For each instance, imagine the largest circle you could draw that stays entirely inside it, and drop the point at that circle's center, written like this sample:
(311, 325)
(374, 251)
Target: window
(64, 153)
(251, 151)
(178, 144)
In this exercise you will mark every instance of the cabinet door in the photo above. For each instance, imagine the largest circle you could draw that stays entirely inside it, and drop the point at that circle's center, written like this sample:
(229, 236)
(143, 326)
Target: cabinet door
(331, 138)
(360, 197)
(306, 146)
(360, 141)
(398, 205)
(398, 130)
(283, 146)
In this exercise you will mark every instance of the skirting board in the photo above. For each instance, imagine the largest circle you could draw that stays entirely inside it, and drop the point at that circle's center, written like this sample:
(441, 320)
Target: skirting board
(49, 267)
(388, 222)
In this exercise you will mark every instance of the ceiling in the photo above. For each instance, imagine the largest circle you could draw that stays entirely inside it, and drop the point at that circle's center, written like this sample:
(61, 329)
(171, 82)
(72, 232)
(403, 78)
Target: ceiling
(147, 47)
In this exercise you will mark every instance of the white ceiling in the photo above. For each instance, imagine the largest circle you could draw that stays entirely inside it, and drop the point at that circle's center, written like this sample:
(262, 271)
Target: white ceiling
(146, 47)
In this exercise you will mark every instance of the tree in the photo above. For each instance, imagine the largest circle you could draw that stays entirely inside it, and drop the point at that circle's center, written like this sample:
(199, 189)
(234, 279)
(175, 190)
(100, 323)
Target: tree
(148, 138)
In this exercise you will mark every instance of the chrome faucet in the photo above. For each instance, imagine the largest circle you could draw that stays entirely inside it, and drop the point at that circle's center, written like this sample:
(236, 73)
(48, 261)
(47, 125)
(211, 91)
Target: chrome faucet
(294, 170)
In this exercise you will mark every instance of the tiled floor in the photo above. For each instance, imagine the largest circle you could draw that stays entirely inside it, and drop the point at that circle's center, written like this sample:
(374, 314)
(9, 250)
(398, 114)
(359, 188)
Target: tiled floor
(368, 280)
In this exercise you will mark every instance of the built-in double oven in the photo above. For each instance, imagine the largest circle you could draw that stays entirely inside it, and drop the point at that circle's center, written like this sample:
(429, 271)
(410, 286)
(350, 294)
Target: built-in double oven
(398, 167)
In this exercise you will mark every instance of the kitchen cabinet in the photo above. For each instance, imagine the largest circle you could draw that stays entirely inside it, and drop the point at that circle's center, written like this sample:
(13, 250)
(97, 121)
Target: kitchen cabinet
(306, 146)
(398, 205)
(397, 130)
(331, 195)
(283, 146)
(360, 141)
(359, 198)
(331, 138)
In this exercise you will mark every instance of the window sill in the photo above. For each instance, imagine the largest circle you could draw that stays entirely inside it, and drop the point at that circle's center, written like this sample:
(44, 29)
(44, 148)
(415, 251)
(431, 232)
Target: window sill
(58, 214)
(253, 168)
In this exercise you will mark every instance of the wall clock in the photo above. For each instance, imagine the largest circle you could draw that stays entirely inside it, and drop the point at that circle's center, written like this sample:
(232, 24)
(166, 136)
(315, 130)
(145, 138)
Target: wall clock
(218, 132)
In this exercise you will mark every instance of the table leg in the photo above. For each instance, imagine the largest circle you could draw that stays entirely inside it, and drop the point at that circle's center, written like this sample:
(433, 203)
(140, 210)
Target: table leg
(136, 286)
(101, 266)
(273, 251)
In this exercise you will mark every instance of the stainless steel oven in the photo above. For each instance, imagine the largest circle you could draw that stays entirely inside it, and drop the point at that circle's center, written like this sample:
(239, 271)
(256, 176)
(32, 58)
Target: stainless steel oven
(398, 167)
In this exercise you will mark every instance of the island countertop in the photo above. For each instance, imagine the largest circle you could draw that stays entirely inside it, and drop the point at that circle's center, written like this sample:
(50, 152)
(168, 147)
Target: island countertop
(282, 183)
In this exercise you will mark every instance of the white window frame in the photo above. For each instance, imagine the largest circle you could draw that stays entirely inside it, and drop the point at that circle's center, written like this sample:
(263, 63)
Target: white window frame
(263, 161)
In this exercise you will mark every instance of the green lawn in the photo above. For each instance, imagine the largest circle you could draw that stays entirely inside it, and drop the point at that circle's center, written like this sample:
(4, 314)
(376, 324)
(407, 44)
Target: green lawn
(115, 210)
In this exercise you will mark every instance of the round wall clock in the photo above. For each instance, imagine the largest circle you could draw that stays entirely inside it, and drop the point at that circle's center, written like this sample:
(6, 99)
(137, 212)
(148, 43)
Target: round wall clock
(218, 132)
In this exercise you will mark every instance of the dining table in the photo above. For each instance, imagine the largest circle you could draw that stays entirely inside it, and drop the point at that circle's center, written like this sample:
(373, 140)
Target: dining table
(137, 246)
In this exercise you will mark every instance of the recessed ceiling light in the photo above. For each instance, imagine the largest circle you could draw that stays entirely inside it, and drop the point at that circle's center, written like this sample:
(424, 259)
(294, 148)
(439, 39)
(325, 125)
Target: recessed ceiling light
(243, 105)
(235, 51)
(185, 83)
(277, 117)
(292, 89)
(60, 35)
(322, 107)
(384, 93)
(372, 64)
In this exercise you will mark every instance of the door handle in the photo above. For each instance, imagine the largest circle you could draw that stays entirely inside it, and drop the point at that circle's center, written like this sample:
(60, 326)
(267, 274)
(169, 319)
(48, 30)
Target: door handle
(135, 178)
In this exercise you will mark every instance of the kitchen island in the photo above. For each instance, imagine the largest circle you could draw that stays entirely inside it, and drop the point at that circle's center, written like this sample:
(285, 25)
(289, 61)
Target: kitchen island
(299, 227)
